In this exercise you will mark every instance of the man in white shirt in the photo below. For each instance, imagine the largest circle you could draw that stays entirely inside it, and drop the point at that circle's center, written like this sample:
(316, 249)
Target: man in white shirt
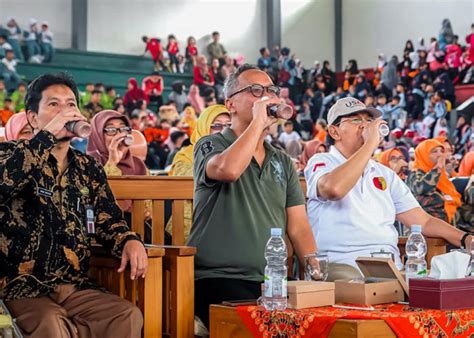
(354, 201)
(8, 71)
(4, 45)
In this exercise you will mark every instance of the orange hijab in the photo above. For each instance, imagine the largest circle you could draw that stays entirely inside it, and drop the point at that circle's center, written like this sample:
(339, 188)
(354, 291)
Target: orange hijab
(385, 156)
(423, 163)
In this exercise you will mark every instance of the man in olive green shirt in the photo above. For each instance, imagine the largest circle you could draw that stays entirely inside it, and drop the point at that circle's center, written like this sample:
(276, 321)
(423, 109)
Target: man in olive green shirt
(243, 188)
(216, 50)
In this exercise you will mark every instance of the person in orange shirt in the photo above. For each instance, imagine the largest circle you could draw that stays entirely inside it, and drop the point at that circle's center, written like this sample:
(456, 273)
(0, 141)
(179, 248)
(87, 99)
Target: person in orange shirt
(6, 112)
(467, 165)
(321, 130)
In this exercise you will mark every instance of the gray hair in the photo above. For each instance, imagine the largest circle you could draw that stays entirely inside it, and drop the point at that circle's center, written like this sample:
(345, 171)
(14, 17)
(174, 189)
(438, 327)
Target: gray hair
(232, 81)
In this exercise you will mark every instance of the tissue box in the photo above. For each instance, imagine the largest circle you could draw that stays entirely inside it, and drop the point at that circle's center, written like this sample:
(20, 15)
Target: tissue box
(383, 283)
(305, 294)
(442, 294)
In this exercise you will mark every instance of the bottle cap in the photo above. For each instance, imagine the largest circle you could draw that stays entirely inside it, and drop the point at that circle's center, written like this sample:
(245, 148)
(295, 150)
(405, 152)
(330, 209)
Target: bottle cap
(276, 232)
(416, 228)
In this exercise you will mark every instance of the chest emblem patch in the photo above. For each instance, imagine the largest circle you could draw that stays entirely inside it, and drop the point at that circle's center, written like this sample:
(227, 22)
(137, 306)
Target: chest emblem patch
(380, 183)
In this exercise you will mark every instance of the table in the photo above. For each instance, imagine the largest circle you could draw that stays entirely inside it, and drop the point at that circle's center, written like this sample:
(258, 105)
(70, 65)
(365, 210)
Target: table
(226, 322)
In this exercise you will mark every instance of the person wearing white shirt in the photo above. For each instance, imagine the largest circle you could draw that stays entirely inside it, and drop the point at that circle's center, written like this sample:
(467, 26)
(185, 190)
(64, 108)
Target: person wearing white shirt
(14, 38)
(4, 46)
(47, 49)
(290, 139)
(8, 71)
(354, 201)
(31, 41)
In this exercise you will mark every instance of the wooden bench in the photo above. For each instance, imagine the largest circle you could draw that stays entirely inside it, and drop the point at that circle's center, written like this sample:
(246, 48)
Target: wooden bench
(178, 260)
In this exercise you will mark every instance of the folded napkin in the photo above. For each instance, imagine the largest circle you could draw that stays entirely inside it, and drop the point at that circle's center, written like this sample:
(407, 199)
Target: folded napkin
(451, 265)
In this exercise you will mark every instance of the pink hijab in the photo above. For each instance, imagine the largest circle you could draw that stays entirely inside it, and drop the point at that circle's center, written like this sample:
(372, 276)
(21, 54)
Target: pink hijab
(195, 99)
(15, 125)
(129, 164)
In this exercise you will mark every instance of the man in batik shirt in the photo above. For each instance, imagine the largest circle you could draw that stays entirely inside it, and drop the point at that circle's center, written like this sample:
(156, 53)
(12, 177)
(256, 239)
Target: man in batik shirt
(53, 201)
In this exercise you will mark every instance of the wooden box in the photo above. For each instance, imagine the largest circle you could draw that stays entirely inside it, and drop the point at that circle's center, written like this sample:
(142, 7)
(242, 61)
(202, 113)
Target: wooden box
(305, 294)
(382, 283)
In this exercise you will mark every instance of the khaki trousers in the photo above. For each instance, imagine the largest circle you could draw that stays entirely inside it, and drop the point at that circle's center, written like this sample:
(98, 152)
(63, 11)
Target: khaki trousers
(68, 312)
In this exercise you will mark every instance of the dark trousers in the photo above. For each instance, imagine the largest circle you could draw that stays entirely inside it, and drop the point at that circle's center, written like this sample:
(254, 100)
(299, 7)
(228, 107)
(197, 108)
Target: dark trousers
(216, 290)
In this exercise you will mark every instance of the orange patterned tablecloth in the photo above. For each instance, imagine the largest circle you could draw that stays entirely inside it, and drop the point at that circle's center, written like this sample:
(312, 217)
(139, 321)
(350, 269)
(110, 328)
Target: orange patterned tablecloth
(404, 320)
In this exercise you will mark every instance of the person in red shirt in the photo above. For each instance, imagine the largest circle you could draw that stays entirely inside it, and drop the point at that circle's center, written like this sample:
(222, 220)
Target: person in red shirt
(173, 49)
(6, 112)
(133, 95)
(191, 51)
(203, 76)
(153, 87)
(153, 45)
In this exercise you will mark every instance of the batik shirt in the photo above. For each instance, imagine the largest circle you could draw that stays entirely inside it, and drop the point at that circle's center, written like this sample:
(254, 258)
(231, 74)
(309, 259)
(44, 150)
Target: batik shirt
(44, 237)
(423, 187)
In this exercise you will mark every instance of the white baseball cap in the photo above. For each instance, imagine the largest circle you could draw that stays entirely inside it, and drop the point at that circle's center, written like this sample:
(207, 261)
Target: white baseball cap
(349, 106)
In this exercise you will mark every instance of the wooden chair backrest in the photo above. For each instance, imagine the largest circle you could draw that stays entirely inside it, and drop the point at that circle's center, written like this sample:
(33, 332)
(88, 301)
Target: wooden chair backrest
(157, 189)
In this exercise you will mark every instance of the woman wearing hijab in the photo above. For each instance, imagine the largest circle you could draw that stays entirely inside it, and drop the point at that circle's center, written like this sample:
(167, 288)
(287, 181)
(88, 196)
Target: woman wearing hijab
(395, 160)
(109, 129)
(430, 184)
(446, 35)
(203, 76)
(211, 121)
(310, 148)
(189, 119)
(195, 99)
(467, 165)
(133, 95)
(18, 128)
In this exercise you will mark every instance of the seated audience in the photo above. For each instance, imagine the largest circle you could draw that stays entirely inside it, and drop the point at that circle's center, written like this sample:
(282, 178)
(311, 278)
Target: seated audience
(203, 76)
(133, 95)
(94, 106)
(153, 86)
(6, 112)
(395, 160)
(46, 39)
(8, 71)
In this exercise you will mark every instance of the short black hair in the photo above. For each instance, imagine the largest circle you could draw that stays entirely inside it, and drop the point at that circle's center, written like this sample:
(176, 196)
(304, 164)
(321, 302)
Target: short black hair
(262, 50)
(288, 123)
(96, 91)
(176, 135)
(144, 38)
(215, 33)
(396, 97)
(7, 99)
(109, 88)
(171, 36)
(43, 82)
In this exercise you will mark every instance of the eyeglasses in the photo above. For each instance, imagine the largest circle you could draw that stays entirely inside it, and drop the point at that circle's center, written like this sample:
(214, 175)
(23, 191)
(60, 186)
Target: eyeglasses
(396, 158)
(220, 126)
(357, 121)
(113, 131)
(258, 90)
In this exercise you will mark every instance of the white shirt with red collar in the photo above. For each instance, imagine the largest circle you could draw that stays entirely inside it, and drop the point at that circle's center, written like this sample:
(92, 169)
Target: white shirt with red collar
(363, 221)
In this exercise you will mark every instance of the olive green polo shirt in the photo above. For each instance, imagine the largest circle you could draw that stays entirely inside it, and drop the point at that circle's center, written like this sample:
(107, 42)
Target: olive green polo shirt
(232, 221)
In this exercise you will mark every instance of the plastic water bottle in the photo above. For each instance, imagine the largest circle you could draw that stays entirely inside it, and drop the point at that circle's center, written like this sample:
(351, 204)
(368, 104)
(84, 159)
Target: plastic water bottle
(275, 289)
(415, 249)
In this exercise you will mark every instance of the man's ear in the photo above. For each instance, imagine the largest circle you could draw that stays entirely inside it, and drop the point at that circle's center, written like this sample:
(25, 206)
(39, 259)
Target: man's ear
(31, 117)
(230, 106)
(334, 133)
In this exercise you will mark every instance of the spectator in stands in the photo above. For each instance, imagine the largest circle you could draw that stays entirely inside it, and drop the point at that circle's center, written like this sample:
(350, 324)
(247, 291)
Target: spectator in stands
(451, 162)
(120, 108)
(31, 38)
(339, 191)
(153, 87)
(211, 121)
(14, 38)
(191, 51)
(189, 119)
(195, 99)
(57, 299)
(94, 106)
(3, 93)
(169, 113)
(178, 95)
(264, 62)
(86, 96)
(429, 181)
(133, 95)
(215, 49)
(228, 67)
(395, 160)
(291, 140)
(173, 49)
(310, 148)
(9, 74)
(446, 35)
(181, 68)
(109, 129)
(203, 76)
(46, 39)
(305, 121)
(228, 168)
(153, 46)
(4, 46)
(107, 98)
(18, 128)
(389, 78)
(18, 97)
(329, 76)
(177, 138)
(6, 112)
(209, 101)
(219, 79)
(321, 130)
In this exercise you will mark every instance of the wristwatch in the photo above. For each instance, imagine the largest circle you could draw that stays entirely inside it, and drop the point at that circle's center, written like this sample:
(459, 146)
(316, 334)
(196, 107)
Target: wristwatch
(463, 239)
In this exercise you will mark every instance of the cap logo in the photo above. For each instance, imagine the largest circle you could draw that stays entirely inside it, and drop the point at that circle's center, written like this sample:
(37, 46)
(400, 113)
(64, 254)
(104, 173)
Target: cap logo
(352, 103)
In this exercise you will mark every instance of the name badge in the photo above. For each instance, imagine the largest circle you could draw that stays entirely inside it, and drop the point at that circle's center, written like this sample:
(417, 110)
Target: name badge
(90, 220)
(448, 198)
(44, 192)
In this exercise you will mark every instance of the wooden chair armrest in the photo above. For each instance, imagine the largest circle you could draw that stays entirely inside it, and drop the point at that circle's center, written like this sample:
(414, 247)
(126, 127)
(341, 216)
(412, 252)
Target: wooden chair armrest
(98, 250)
(179, 250)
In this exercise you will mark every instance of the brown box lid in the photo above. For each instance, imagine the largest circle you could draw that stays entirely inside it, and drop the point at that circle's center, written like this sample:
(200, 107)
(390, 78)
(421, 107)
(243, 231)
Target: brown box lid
(381, 267)
(303, 286)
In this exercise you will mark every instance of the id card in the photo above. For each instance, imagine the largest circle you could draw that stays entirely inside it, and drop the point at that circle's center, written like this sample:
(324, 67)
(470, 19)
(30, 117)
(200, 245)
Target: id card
(90, 220)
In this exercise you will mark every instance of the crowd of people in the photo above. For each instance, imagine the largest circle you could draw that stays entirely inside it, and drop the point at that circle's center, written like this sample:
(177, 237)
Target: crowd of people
(247, 166)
